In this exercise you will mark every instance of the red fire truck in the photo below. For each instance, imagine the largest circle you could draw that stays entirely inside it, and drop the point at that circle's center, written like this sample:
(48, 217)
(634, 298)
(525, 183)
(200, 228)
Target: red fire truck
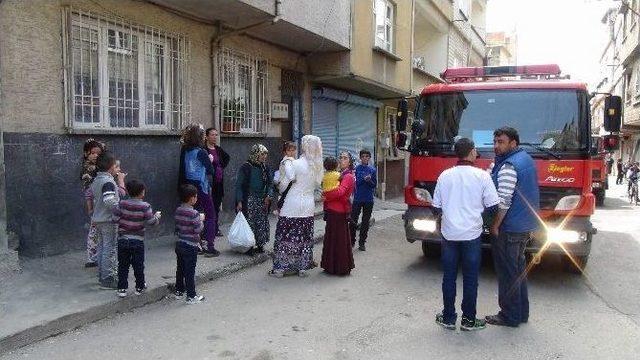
(551, 114)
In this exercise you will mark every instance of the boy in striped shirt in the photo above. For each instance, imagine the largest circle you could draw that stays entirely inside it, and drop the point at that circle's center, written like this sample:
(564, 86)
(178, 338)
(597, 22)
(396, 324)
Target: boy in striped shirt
(189, 225)
(132, 216)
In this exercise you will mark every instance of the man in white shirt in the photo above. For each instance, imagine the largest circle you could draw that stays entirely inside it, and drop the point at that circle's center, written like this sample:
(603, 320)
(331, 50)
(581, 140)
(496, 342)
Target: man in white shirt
(462, 194)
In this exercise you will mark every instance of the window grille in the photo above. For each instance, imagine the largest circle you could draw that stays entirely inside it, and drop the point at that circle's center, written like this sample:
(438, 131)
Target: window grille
(121, 75)
(243, 89)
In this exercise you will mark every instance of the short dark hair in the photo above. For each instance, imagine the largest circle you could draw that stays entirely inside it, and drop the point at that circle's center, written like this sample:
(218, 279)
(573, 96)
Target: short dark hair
(365, 152)
(510, 132)
(206, 132)
(93, 143)
(288, 145)
(463, 147)
(134, 187)
(187, 192)
(105, 161)
(330, 163)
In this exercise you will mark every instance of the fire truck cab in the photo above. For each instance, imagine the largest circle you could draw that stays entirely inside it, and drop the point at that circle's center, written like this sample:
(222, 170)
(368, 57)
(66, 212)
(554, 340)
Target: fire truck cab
(551, 114)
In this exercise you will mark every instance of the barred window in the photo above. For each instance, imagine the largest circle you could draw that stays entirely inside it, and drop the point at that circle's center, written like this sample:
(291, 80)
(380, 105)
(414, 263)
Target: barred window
(124, 76)
(243, 92)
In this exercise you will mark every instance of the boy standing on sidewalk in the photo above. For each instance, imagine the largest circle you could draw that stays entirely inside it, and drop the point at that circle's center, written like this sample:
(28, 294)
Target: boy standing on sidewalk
(132, 216)
(189, 225)
(462, 193)
(366, 182)
(105, 201)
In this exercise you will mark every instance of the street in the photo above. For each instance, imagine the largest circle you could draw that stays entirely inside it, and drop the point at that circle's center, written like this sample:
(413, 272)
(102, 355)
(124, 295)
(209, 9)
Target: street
(384, 310)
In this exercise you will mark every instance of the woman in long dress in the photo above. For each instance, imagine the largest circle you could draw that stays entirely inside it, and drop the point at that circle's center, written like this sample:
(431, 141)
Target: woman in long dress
(337, 255)
(293, 249)
(254, 193)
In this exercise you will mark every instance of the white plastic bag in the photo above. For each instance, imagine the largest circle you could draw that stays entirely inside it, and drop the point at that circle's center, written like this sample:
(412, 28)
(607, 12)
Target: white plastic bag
(241, 238)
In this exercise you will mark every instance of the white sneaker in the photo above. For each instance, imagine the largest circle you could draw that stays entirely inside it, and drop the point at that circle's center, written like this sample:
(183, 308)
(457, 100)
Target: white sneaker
(302, 273)
(195, 300)
(122, 293)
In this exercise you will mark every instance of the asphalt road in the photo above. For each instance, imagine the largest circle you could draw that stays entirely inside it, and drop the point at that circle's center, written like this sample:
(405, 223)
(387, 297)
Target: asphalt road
(384, 310)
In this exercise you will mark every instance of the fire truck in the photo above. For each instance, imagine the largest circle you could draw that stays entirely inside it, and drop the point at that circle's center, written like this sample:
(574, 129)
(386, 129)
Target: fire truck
(552, 116)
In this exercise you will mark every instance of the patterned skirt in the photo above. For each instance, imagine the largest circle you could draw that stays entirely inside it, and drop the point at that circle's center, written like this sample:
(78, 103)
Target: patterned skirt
(293, 247)
(257, 217)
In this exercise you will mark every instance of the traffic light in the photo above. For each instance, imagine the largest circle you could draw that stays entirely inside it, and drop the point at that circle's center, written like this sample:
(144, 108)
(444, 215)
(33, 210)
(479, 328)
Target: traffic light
(611, 142)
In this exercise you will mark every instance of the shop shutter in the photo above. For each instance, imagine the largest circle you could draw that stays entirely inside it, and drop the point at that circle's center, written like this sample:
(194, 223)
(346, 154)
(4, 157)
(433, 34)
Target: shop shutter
(324, 124)
(356, 128)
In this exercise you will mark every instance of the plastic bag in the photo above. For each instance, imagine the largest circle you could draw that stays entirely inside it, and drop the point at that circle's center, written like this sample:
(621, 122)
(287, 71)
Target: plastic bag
(241, 238)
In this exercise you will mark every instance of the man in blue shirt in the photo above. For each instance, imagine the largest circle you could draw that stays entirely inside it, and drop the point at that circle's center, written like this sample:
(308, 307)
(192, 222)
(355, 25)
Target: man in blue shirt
(366, 181)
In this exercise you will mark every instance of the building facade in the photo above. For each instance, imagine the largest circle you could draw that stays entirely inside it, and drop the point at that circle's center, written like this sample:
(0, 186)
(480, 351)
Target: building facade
(502, 49)
(133, 74)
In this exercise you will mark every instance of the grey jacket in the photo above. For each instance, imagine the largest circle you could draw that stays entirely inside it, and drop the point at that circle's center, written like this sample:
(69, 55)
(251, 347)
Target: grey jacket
(105, 197)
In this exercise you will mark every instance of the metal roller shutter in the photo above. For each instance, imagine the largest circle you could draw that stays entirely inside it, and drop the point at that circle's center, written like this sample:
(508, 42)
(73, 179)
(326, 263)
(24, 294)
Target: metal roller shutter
(324, 124)
(356, 128)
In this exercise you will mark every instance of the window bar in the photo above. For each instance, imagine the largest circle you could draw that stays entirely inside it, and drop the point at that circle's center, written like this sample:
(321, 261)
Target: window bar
(81, 73)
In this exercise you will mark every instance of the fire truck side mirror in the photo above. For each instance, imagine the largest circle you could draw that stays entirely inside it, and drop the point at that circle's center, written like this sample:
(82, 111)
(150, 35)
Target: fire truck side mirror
(612, 113)
(611, 142)
(401, 120)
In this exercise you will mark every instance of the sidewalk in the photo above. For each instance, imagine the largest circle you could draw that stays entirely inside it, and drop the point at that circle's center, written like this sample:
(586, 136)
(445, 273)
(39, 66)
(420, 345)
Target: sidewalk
(56, 294)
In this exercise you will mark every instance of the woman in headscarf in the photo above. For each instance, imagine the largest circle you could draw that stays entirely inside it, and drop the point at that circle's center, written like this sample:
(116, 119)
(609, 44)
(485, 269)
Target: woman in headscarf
(254, 193)
(337, 255)
(196, 169)
(293, 247)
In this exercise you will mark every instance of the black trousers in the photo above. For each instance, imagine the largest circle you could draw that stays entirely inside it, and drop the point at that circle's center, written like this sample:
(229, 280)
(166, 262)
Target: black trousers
(186, 259)
(366, 209)
(217, 195)
(130, 253)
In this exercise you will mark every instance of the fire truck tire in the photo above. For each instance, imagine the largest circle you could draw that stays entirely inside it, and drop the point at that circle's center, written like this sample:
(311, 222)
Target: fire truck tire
(431, 251)
(580, 261)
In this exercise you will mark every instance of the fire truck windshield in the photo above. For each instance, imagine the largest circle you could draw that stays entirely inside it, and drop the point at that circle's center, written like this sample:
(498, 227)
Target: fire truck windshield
(551, 121)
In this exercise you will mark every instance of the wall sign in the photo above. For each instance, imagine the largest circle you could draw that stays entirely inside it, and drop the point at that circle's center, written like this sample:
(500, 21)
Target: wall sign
(279, 110)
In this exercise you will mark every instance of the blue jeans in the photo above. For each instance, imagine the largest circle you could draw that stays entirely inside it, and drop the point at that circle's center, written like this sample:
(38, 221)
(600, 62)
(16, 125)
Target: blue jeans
(130, 253)
(107, 253)
(186, 259)
(469, 255)
(510, 265)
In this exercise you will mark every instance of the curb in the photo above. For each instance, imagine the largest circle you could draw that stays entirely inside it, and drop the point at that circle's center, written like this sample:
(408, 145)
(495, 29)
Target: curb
(118, 306)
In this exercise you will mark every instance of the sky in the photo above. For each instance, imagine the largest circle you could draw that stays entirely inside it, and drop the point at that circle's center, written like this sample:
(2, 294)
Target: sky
(566, 32)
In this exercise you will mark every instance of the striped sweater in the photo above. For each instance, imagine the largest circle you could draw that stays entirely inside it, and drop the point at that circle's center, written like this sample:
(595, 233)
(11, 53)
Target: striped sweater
(188, 225)
(132, 216)
(507, 179)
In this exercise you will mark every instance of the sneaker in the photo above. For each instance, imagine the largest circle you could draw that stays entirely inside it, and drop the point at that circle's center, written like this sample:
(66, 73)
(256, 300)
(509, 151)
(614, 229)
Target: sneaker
(140, 291)
(194, 300)
(211, 253)
(122, 293)
(446, 325)
(178, 294)
(362, 248)
(302, 273)
(90, 264)
(219, 234)
(471, 325)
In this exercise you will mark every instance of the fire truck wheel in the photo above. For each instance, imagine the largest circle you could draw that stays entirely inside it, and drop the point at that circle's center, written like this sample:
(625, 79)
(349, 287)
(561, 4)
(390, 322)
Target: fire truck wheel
(431, 251)
(570, 266)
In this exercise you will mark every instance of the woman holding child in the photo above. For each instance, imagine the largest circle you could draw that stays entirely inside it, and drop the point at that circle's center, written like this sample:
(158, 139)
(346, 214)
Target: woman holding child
(337, 255)
(293, 249)
(195, 169)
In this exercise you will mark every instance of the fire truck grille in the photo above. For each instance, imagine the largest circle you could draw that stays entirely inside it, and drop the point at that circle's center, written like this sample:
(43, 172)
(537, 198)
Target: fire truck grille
(549, 196)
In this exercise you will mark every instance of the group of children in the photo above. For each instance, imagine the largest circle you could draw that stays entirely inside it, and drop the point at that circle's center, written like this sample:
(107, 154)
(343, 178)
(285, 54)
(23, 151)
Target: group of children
(119, 216)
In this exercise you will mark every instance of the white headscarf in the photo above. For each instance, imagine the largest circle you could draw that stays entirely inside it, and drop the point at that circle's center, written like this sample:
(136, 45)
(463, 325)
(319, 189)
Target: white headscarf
(312, 152)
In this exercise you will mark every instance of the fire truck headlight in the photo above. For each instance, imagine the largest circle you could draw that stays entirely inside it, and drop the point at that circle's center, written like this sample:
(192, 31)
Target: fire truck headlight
(565, 236)
(568, 203)
(424, 225)
(422, 194)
